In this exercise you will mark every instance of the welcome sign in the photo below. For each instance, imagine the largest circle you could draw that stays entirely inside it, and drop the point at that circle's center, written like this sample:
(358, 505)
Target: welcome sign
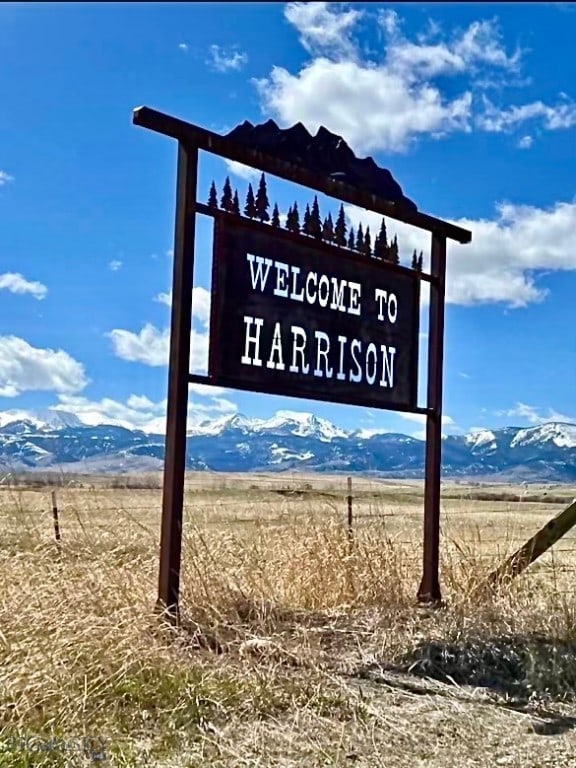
(295, 317)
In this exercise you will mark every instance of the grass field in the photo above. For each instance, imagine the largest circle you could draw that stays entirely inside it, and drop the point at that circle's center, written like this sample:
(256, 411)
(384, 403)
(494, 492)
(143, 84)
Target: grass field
(297, 648)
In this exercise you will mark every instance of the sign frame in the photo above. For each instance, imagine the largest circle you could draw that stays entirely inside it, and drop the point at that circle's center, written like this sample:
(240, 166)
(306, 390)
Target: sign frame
(347, 189)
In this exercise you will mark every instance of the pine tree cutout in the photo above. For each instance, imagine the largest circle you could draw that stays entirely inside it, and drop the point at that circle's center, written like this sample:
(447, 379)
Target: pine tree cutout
(315, 220)
(414, 264)
(367, 249)
(381, 243)
(275, 216)
(351, 239)
(306, 223)
(328, 229)
(262, 203)
(226, 201)
(236, 204)
(295, 218)
(340, 228)
(394, 254)
(420, 262)
(213, 197)
(360, 238)
(289, 219)
(250, 207)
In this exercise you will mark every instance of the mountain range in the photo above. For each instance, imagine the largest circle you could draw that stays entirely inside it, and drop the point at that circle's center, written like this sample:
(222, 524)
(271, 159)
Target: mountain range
(59, 441)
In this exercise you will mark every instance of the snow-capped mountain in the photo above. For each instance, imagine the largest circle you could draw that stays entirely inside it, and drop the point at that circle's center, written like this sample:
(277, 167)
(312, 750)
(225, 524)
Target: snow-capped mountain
(55, 440)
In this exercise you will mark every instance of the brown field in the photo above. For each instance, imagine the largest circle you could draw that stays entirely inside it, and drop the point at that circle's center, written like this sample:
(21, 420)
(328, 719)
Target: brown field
(297, 648)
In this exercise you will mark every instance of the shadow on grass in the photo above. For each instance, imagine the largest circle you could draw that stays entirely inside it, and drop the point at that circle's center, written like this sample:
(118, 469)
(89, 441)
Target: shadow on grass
(522, 668)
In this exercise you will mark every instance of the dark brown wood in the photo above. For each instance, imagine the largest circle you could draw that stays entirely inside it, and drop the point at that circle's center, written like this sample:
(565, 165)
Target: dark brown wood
(429, 591)
(179, 366)
(350, 519)
(55, 519)
(219, 145)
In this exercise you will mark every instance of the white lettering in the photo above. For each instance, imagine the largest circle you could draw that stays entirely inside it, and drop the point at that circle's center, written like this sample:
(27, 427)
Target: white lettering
(294, 295)
(260, 276)
(371, 377)
(246, 359)
(301, 348)
(341, 376)
(276, 350)
(282, 271)
(354, 308)
(391, 302)
(322, 337)
(323, 300)
(356, 377)
(338, 287)
(387, 366)
(312, 277)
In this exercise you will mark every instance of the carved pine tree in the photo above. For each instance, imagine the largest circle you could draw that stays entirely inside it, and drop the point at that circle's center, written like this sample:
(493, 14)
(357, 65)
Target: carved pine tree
(315, 220)
(381, 243)
(340, 228)
(213, 197)
(275, 216)
(360, 239)
(306, 221)
(328, 229)
(295, 218)
(420, 262)
(393, 250)
(367, 248)
(262, 203)
(236, 203)
(226, 202)
(351, 239)
(414, 264)
(250, 206)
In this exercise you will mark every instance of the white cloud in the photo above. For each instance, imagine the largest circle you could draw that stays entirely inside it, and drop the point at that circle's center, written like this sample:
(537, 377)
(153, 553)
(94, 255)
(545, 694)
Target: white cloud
(200, 303)
(115, 265)
(139, 412)
(226, 61)
(5, 178)
(151, 345)
(17, 283)
(322, 29)
(406, 99)
(242, 171)
(502, 262)
(525, 142)
(535, 415)
(24, 368)
(183, 47)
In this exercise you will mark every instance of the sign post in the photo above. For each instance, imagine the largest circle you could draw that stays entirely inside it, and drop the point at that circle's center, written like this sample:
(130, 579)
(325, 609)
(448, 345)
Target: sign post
(299, 314)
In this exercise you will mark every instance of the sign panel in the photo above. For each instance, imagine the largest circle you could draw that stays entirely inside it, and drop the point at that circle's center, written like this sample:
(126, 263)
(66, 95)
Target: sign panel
(291, 316)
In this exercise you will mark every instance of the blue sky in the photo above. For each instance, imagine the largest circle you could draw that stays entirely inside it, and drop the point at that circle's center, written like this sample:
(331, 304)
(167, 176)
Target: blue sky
(471, 106)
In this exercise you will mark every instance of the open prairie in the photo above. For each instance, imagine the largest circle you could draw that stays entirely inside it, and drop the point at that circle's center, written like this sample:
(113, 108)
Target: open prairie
(298, 647)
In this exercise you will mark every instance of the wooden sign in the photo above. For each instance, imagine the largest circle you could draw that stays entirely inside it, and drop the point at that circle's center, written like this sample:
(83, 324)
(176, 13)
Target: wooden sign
(297, 318)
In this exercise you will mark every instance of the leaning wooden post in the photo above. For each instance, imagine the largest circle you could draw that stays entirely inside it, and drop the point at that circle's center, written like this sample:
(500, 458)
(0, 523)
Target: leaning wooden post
(178, 373)
(350, 531)
(56, 521)
(429, 590)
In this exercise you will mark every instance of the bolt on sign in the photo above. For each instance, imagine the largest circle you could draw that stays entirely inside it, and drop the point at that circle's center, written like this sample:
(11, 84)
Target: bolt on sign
(298, 318)
(312, 311)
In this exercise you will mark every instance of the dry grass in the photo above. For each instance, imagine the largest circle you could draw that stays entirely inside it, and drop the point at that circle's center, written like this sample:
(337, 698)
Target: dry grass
(296, 648)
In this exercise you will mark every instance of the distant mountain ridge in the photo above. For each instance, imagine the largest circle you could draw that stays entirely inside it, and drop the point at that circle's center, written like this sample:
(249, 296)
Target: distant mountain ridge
(59, 441)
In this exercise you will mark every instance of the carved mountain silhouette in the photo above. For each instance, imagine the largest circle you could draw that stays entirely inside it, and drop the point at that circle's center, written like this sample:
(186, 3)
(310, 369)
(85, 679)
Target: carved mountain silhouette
(325, 154)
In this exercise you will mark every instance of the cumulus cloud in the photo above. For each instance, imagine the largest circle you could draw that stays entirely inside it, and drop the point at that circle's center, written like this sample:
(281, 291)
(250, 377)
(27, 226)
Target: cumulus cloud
(5, 178)
(535, 415)
(403, 88)
(115, 265)
(507, 254)
(222, 60)
(139, 412)
(242, 171)
(17, 283)
(151, 345)
(24, 368)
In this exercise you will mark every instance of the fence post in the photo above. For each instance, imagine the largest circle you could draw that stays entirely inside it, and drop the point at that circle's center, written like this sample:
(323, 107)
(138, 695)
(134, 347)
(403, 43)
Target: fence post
(350, 531)
(56, 521)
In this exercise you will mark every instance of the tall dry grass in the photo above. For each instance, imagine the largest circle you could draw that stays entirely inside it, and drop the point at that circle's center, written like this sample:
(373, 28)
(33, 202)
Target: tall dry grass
(282, 617)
